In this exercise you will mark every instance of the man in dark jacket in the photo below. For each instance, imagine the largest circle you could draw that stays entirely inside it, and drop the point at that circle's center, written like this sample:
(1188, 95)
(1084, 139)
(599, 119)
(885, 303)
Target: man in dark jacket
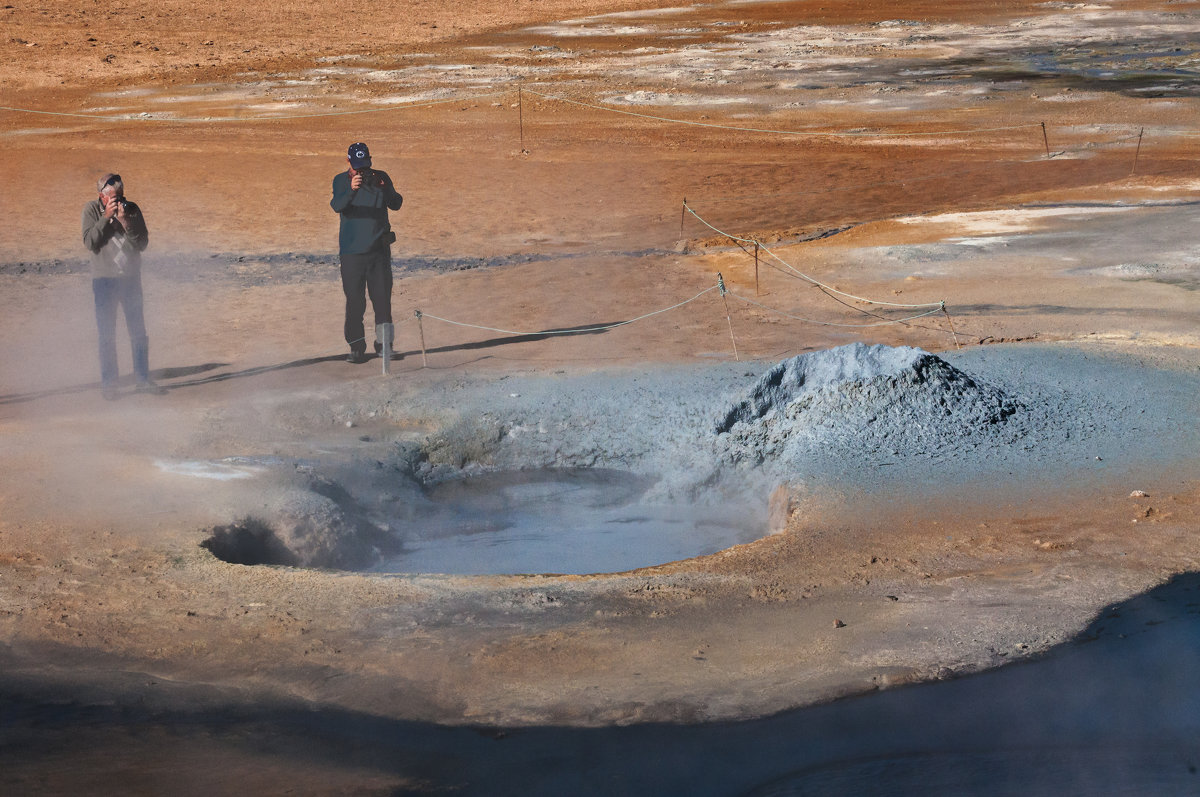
(114, 230)
(362, 197)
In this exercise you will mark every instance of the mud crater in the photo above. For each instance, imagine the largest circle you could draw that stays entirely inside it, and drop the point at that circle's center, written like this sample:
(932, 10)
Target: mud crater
(606, 473)
(482, 521)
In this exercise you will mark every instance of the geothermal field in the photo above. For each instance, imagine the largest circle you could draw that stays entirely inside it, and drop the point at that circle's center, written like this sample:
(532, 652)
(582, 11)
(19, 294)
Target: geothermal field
(788, 399)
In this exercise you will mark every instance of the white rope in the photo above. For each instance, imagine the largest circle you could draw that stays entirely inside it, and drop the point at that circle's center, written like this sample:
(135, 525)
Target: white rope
(571, 331)
(804, 276)
(216, 120)
(830, 323)
(779, 132)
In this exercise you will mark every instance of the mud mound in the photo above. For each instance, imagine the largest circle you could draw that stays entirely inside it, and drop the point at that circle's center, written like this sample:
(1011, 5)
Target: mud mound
(314, 523)
(873, 398)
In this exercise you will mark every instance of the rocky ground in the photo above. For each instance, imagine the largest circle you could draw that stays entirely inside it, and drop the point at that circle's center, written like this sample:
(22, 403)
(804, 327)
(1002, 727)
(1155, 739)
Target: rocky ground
(545, 154)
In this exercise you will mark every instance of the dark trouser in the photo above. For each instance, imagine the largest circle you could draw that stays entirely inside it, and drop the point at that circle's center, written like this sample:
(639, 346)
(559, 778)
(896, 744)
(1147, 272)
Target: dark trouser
(126, 291)
(369, 273)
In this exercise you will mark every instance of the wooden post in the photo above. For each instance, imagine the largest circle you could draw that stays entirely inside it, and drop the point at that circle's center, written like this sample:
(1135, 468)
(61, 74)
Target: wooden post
(682, 216)
(951, 322)
(728, 319)
(756, 291)
(421, 329)
(520, 117)
(1045, 139)
(1137, 152)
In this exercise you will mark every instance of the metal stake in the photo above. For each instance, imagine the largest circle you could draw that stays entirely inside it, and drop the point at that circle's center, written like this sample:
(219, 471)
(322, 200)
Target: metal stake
(421, 329)
(1137, 151)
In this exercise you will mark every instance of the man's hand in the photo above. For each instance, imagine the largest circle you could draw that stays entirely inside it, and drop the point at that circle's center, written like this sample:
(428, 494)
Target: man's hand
(111, 205)
(114, 209)
(356, 180)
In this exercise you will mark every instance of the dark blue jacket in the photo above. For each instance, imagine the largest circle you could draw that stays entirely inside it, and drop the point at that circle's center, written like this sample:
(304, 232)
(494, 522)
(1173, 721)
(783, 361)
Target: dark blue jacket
(364, 212)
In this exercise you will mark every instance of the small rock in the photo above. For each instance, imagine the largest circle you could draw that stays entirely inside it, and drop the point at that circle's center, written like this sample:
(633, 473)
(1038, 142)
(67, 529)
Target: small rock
(1139, 494)
(838, 624)
(349, 424)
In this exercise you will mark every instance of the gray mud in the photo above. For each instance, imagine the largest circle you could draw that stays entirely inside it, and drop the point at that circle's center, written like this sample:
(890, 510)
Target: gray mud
(859, 421)
(858, 396)
(981, 413)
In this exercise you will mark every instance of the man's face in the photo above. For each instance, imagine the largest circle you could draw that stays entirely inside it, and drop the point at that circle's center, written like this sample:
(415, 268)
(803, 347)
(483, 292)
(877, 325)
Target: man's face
(110, 193)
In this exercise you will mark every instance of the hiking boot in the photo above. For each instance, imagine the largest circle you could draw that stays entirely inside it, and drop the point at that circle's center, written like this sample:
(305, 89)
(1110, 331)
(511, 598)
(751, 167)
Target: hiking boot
(150, 387)
(357, 357)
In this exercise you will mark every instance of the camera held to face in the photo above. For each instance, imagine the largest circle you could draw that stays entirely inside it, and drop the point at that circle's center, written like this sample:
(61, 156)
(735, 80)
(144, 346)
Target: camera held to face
(371, 177)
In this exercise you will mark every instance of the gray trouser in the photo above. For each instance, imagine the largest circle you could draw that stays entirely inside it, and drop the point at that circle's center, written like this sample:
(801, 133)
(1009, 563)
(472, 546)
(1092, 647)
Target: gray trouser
(126, 291)
(369, 273)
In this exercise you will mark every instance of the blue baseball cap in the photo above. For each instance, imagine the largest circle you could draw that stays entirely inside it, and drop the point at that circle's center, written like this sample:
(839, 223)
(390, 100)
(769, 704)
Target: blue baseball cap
(359, 155)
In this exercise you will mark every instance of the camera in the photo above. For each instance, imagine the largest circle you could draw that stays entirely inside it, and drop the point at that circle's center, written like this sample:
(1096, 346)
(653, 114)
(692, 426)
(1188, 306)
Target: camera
(370, 177)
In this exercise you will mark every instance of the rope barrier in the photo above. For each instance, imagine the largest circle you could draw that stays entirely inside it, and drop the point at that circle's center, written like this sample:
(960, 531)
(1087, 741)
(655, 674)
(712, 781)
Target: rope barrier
(808, 133)
(804, 276)
(832, 323)
(215, 120)
(724, 291)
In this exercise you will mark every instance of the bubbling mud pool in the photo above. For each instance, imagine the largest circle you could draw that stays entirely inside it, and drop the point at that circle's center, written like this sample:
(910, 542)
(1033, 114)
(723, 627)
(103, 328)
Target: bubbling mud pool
(609, 472)
(572, 521)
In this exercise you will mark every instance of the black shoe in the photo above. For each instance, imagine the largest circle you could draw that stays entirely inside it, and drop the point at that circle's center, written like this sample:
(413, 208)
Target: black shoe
(150, 387)
(357, 357)
(110, 393)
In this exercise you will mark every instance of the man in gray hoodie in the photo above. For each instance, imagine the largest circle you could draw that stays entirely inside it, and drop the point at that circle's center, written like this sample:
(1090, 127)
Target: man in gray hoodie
(362, 197)
(114, 230)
